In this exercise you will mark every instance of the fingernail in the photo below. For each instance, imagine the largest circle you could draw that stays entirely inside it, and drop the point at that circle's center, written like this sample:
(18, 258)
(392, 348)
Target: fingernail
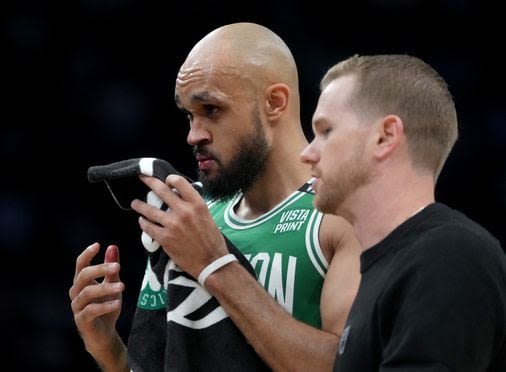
(93, 247)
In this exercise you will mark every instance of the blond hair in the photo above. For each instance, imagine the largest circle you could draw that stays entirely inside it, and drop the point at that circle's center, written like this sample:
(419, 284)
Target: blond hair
(408, 87)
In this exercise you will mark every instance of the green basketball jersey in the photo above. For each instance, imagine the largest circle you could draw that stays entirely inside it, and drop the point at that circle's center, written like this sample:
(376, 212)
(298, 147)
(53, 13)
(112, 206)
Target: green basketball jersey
(283, 247)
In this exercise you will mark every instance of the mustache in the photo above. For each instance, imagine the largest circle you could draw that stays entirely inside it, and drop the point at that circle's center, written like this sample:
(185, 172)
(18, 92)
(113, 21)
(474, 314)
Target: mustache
(202, 150)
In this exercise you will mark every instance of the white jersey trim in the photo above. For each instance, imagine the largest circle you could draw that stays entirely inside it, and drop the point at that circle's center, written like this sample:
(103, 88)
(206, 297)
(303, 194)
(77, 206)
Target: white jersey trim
(238, 223)
(313, 247)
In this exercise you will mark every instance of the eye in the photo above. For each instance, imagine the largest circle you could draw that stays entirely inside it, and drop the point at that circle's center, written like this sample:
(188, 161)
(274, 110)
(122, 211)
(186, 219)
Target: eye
(187, 114)
(324, 131)
(210, 110)
(322, 128)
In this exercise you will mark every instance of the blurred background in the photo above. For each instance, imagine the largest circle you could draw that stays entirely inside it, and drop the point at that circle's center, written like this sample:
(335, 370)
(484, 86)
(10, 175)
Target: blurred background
(88, 82)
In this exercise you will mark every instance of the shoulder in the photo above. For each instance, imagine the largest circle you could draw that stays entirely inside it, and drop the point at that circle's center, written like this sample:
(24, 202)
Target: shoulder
(453, 228)
(337, 238)
(442, 235)
(460, 240)
(455, 260)
(336, 234)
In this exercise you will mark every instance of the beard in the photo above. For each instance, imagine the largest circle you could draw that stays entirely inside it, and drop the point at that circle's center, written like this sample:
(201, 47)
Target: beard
(244, 167)
(339, 185)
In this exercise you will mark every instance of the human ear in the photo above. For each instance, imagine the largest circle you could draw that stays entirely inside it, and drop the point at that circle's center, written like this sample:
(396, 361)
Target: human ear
(390, 134)
(276, 102)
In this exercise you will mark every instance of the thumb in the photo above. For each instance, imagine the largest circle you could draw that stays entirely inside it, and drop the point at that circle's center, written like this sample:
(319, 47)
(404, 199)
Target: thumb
(112, 255)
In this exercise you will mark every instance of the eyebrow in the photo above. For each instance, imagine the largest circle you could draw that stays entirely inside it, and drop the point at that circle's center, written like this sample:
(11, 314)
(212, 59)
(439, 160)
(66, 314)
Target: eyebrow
(200, 97)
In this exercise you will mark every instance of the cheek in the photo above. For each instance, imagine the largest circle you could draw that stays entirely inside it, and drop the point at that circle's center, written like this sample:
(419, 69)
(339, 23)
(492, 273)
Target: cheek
(227, 145)
(330, 154)
(224, 138)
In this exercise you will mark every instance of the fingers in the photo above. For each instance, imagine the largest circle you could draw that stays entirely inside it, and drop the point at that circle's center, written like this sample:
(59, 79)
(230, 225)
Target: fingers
(84, 259)
(112, 256)
(94, 310)
(88, 276)
(154, 231)
(165, 193)
(151, 213)
(178, 194)
(90, 300)
(97, 294)
(175, 189)
(185, 190)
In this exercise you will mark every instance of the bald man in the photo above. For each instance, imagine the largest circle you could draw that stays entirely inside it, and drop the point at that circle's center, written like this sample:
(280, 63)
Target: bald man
(239, 89)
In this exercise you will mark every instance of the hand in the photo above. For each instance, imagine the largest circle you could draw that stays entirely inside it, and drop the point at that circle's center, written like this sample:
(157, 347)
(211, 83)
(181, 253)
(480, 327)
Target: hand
(186, 231)
(97, 305)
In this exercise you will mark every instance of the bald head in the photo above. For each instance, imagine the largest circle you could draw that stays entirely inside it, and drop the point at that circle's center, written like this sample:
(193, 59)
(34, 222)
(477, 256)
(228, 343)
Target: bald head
(239, 90)
(244, 51)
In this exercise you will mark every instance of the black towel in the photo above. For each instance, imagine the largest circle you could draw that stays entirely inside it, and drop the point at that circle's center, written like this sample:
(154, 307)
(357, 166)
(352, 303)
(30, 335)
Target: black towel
(178, 325)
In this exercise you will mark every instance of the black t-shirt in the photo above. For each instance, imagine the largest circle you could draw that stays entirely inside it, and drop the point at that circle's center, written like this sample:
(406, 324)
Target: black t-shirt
(432, 298)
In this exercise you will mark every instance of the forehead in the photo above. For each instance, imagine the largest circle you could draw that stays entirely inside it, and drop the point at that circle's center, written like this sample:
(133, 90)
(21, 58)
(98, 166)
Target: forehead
(197, 83)
(335, 98)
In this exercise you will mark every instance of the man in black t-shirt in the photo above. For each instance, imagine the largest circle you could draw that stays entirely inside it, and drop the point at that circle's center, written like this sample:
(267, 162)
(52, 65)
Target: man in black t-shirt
(433, 290)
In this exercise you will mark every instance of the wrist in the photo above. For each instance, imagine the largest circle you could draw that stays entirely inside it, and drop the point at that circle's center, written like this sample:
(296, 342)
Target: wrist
(112, 358)
(215, 266)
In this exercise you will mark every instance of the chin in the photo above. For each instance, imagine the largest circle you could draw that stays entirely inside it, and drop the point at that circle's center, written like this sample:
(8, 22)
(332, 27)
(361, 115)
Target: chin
(320, 204)
(326, 204)
(206, 176)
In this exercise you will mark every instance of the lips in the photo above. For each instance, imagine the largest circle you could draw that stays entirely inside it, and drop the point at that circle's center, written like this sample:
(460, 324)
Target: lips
(204, 162)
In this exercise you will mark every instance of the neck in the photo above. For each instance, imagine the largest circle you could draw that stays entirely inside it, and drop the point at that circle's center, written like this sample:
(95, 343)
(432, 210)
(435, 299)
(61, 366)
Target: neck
(282, 175)
(377, 216)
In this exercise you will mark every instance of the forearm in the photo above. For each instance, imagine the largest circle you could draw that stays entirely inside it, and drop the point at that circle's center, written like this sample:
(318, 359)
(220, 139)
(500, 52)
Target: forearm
(113, 359)
(281, 341)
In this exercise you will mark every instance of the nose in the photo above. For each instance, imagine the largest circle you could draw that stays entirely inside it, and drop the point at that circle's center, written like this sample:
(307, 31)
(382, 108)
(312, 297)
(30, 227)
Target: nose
(310, 154)
(198, 135)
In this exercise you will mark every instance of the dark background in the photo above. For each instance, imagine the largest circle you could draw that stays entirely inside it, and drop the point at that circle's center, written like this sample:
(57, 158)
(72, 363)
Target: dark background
(89, 82)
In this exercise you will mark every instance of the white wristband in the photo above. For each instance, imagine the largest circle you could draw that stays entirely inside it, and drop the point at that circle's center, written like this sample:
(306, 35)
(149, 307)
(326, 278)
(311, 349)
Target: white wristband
(215, 265)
